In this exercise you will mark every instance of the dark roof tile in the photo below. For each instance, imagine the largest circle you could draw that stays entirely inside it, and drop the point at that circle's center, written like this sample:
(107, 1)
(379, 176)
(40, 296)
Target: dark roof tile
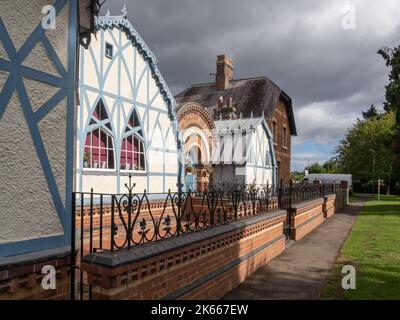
(253, 95)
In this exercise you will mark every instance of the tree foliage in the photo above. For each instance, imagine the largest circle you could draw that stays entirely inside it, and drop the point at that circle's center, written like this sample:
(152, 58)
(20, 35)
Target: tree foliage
(371, 113)
(330, 166)
(392, 58)
(355, 154)
(392, 103)
(297, 176)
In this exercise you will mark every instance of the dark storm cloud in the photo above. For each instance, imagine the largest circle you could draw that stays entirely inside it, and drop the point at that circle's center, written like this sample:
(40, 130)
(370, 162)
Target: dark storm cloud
(330, 73)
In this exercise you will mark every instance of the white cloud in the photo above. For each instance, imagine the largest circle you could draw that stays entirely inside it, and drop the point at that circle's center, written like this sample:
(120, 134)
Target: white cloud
(322, 122)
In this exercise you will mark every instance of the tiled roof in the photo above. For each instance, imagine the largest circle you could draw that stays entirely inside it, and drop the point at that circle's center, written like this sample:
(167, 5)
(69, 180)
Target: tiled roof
(253, 96)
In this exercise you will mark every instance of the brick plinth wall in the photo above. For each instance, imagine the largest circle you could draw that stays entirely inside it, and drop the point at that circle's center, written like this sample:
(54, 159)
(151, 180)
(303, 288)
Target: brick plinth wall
(306, 216)
(342, 196)
(329, 206)
(21, 276)
(200, 265)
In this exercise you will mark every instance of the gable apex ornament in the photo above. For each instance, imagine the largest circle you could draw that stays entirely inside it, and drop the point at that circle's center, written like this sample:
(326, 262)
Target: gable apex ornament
(124, 12)
(124, 25)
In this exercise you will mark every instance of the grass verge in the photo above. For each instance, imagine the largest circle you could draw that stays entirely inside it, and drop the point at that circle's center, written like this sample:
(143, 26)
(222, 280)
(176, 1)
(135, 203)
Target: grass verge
(373, 247)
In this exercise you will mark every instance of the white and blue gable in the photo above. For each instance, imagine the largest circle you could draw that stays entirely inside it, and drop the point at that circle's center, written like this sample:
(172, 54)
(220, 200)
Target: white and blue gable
(123, 24)
(245, 145)
(126, 121)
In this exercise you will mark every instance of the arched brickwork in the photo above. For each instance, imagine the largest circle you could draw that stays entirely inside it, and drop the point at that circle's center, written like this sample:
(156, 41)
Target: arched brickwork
(196, 122)
(194, 114)
(196, 126)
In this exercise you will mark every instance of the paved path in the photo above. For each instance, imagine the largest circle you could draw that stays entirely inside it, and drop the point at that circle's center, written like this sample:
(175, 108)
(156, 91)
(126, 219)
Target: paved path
(301, 270)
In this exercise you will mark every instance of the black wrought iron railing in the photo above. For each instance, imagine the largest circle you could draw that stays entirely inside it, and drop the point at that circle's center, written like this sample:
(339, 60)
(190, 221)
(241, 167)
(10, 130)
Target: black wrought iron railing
(113, 222)
(110, 222)
(292, 193)
(117, 221)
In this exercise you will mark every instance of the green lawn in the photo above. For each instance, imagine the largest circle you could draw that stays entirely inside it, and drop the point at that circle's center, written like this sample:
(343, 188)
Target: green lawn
(373, 247)
(353, 198)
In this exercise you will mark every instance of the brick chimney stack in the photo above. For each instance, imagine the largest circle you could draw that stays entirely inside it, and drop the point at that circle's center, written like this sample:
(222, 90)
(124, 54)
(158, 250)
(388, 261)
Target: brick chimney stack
(224, 72)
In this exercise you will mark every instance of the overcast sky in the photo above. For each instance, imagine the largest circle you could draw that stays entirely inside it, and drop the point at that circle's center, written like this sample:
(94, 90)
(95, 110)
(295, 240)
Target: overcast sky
(313, 49)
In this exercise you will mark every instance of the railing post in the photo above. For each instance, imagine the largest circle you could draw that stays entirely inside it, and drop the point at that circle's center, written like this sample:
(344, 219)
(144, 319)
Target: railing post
(112, 222)
(253, 201)
(91, 234)
(129, 209)
(289, 213)
(73, 249)
(236, 199)
(101, 223)
(212, 208)
(91, 222)
(82, 246)
(179, 204)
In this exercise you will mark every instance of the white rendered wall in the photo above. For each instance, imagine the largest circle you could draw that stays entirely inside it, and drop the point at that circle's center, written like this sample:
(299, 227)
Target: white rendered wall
(258, 170)
(27, 210)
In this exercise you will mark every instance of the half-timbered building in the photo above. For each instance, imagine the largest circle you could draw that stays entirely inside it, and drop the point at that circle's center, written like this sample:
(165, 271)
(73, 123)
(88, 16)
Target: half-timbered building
(126, 119)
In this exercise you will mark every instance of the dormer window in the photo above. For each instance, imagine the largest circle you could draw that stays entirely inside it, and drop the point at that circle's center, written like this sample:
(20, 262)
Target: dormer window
(109, 50)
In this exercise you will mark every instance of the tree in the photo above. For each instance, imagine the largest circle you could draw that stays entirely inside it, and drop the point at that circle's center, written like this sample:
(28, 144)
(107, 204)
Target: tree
(354, 151)
(330, 166)
(372, 112)
(297, 176)
(392, 58)
(315, 168)
(392, 103)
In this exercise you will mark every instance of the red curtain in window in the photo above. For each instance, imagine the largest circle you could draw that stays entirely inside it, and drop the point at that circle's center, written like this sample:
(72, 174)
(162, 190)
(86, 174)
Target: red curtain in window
(99, 149)
(129, 153)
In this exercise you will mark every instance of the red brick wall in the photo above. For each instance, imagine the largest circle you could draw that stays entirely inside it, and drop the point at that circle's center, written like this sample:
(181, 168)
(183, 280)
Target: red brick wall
(213, 290)
(329, 206)
(23, 280)
(163, 274)
(306, 217)
(282, 153)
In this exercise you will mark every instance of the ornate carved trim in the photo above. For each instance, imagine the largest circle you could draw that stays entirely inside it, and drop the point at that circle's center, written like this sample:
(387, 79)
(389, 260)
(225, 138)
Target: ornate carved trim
(195, 108)
(122, 23)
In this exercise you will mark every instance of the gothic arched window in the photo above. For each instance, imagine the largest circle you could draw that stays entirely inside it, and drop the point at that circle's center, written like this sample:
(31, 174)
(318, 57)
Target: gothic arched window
(133, 153)
(99, 142)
